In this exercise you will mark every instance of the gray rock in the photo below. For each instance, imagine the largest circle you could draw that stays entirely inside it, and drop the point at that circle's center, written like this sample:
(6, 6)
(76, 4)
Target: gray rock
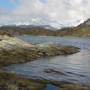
(14, 50)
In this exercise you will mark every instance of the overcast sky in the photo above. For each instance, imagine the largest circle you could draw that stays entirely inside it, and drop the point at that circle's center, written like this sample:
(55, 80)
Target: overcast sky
(49, 12)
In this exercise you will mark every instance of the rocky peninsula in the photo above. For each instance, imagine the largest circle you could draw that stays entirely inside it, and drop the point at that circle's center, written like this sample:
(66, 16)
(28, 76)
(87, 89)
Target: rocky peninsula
(14, 50)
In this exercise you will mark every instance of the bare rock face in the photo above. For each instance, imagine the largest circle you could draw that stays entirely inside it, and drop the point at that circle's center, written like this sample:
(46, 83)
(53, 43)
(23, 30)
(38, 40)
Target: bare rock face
(51, 49)
(12, 42)
(14, 50)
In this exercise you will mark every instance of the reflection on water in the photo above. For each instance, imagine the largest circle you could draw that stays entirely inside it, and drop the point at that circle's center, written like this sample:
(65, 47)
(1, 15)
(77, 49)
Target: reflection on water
(71, 68)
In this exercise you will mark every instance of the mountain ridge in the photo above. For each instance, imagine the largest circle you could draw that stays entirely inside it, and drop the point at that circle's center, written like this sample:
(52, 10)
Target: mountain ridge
(82, 30)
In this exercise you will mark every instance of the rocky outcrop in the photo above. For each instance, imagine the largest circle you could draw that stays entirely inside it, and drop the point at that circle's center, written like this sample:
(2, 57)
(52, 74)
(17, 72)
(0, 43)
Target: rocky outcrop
(51, 49)
(14, 50)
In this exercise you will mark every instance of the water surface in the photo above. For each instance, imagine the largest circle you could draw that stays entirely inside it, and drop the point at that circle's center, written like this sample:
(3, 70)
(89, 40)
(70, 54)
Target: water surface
(72, 68)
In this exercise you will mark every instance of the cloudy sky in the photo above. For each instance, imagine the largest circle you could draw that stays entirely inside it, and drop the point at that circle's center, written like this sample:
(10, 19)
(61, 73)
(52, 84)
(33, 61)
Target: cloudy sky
(49, 12)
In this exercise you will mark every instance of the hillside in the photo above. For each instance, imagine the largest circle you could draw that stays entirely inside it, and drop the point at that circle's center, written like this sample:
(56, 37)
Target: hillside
(35, 30)
(82, 30)
(13, 30)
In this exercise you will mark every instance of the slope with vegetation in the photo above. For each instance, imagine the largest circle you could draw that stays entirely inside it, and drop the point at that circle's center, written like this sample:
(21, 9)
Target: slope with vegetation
(83, 30)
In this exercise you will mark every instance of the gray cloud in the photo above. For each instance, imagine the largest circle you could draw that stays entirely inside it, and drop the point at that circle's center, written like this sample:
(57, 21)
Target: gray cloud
(52, 12)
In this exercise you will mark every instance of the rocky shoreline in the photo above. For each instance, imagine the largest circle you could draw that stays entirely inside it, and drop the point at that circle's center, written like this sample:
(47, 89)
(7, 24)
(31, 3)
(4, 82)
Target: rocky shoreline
(14, 50)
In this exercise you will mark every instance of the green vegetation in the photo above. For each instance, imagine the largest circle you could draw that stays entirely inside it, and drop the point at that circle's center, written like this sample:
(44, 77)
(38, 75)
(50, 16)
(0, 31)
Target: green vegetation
(80, 31)
(13, 82)
(83, 30)
(74, 87)
(28, 31)
(11, 31)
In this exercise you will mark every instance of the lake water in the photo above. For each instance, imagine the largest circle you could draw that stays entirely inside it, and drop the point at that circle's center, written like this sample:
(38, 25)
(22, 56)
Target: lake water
(71, 68)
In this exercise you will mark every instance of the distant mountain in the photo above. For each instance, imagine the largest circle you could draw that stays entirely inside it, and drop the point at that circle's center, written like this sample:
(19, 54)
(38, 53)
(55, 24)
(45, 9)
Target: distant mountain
(30, 26)
(27, 29)
(82, 30)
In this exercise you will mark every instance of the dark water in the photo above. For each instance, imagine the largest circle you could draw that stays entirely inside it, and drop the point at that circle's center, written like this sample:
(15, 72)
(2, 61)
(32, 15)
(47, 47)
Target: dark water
(72, 68)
